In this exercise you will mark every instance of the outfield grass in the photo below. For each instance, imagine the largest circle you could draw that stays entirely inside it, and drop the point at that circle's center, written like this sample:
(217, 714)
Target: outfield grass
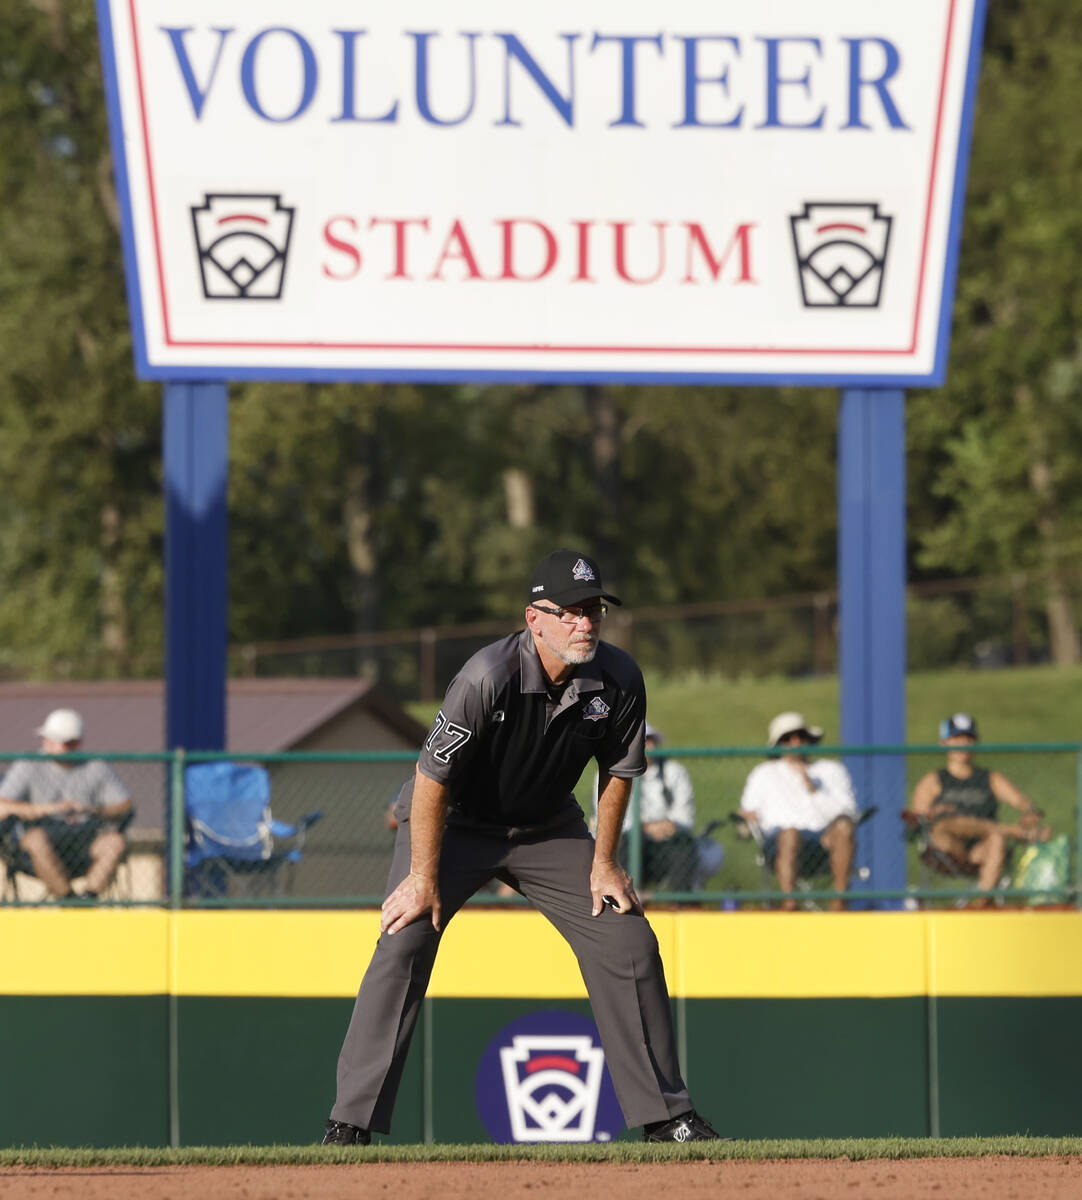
(1022, 704)
(853, 1149)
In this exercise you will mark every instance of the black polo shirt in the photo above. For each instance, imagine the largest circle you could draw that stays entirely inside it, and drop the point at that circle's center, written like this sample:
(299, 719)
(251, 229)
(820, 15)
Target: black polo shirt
(511, 746)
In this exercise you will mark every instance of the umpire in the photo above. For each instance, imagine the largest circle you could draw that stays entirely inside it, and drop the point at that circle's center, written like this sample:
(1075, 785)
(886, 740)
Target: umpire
(492, 797)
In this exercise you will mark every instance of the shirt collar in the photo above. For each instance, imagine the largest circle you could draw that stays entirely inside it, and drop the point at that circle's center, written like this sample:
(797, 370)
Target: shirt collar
(584, 678)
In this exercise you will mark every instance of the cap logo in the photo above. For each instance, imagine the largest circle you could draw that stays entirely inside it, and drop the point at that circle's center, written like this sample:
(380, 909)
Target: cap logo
(539, 587)
(582, 572)
(596, 710)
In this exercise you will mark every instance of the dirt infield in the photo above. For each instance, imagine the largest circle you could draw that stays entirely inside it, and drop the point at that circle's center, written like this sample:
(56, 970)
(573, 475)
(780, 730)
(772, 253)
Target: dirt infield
(991, 1178)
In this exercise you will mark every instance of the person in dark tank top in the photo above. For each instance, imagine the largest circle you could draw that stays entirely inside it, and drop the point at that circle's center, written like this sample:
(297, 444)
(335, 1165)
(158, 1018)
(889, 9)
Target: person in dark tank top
(969, 796)
(961, 801)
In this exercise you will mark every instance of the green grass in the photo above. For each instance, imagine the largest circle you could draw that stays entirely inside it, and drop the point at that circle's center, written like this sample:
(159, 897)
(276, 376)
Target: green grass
(1023, 704)
(853, 1149)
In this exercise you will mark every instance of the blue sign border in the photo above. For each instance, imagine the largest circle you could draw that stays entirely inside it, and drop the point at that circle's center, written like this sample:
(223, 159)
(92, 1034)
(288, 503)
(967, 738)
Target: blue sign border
(146, 370)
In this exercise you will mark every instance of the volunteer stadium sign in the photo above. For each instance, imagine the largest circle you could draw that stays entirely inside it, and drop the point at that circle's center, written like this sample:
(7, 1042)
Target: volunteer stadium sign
(700, 190)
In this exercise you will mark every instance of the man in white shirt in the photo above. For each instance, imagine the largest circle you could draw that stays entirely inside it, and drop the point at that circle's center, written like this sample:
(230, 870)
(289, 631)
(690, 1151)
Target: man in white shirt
(68, 814)
(805, 807)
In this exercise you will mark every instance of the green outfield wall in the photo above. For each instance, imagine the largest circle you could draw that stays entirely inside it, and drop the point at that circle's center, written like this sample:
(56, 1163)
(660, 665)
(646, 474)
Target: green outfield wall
(190, 1027)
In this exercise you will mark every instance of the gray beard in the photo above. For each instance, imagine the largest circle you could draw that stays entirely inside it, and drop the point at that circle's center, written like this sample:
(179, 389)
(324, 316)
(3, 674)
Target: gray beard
(575, 658)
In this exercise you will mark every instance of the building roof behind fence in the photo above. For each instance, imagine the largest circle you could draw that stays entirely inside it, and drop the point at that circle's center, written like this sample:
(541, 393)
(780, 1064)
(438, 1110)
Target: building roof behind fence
(266, 715)
(262, 716)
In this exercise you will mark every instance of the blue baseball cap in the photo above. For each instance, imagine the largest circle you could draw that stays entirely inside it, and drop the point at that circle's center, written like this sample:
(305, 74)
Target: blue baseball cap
(959, 725)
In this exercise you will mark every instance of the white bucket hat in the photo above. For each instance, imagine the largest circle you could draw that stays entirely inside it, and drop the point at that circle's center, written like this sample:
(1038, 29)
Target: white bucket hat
(791, 722)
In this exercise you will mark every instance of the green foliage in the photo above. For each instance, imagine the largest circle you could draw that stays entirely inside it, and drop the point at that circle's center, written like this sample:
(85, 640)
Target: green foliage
(1012, 408)
(357, 508)
(80, 512)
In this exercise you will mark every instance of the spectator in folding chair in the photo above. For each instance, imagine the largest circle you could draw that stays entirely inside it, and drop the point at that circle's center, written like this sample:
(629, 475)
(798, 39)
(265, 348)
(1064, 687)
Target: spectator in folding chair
(67, 816)
(805, 807)
(671, 851)
(958, 806)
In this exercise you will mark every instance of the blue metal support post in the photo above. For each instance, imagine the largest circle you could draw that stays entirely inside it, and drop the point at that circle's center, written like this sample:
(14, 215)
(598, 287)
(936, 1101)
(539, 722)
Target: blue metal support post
(196, 466)
(871, 588)
(196, 451)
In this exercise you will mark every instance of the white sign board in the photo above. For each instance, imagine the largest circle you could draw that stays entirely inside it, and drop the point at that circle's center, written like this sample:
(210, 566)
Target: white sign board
(701, 190)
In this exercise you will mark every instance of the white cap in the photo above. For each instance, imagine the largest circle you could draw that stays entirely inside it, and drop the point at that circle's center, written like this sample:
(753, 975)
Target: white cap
(62, 725)
(791, 722)
(652, 731)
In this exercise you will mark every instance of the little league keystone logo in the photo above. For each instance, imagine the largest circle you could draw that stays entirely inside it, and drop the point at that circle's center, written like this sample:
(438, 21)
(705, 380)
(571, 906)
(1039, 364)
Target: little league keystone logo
(242, 240)
(841, 251)
(582, 572)
(543, 1078)
(552, 1086)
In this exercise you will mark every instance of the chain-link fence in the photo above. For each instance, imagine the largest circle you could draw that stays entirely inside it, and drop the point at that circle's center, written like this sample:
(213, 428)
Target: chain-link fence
(316, 829)
(280, 828)
(83, 824)
(940, 857)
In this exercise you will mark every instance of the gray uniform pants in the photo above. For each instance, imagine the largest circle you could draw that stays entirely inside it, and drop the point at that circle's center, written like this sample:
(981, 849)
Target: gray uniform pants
(617, 954)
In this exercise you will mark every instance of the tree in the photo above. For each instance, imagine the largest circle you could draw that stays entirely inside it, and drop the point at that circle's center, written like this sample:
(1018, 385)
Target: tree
(362, 507)
(80, 514)
(999, 450)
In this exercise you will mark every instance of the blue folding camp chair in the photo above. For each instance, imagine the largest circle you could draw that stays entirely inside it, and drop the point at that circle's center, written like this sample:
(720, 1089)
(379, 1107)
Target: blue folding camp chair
(232, 834)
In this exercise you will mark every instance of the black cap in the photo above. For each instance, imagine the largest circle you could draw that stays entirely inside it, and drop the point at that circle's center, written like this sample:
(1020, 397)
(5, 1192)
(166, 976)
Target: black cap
(567, 577)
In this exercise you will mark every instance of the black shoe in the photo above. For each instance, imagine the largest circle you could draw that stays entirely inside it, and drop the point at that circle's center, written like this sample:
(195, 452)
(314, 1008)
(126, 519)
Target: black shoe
(338, 1133)
(687, 1128)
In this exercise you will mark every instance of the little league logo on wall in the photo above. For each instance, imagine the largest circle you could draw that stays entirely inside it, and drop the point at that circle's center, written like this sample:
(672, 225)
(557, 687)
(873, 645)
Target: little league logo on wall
(543, 1078)
(242, 240)
(841, 252)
